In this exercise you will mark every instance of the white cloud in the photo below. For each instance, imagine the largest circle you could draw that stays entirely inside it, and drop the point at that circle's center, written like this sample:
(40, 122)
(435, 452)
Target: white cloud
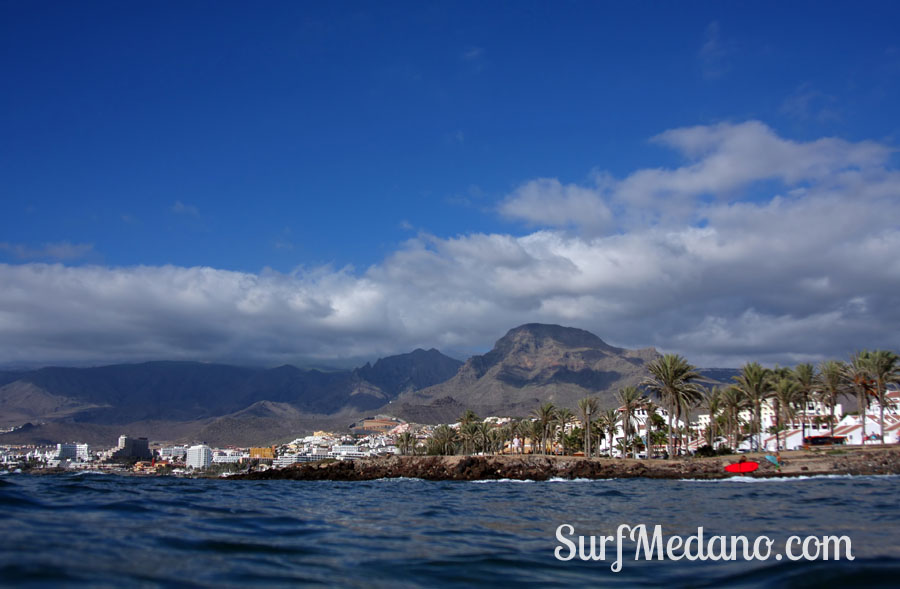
(804, 271)
(546, 201)
(721, 161)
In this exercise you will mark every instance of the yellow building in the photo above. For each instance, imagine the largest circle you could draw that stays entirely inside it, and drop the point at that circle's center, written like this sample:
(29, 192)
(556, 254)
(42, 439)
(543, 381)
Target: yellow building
(262, 453)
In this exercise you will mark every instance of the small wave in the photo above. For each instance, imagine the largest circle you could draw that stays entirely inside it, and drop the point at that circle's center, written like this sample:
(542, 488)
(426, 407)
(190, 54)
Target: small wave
(580, 480)
(788, 479)
(550, 480)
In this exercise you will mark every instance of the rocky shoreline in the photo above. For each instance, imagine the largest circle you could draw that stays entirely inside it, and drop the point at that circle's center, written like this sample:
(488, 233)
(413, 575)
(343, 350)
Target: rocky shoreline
(852, 461)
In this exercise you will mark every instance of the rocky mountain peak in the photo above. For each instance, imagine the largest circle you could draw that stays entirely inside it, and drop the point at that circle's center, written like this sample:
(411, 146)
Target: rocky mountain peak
(538, 362)
(533, 336)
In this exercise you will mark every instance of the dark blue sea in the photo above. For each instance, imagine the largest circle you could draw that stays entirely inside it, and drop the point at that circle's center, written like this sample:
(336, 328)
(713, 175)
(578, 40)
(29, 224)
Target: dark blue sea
(114, 531)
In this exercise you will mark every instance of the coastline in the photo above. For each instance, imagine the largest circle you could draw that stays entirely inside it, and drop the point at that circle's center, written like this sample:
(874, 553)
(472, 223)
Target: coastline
(873, 460)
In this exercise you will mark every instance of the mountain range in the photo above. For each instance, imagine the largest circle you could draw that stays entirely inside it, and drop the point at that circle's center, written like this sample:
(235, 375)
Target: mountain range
(225, 404)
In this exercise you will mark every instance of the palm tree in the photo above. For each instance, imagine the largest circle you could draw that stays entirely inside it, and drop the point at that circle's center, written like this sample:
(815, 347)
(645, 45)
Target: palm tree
(858, 378)
(831, 384)
(535, 431)
(786, 395)
(587, 408)
(733, 403)
(545, 415)
(442, 441)
(712, 400)
(598, 430)
(570, 441)
(495, 439)
(468, 417)
(805, 375)
(608, 424)
(755, 382)
(650, 409)
(884, 369)
(671, 380)
(687, 400)
(631, 400)
(404, 441)
(564, 417)
(484, 435)
(469, 434)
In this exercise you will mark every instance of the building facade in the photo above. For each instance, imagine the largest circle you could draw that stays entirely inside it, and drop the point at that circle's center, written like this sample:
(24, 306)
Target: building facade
(199, 457)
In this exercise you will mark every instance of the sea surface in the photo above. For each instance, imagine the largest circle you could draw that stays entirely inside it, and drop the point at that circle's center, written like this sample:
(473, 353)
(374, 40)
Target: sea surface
(117, 531)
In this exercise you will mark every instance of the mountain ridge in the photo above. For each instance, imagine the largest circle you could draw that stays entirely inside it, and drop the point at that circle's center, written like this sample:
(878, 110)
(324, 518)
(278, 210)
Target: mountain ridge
(220, 403)
(534, 363)
(172, 393)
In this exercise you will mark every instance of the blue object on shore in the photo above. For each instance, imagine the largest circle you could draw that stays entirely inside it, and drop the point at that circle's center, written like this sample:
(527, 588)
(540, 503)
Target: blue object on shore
(773, 460)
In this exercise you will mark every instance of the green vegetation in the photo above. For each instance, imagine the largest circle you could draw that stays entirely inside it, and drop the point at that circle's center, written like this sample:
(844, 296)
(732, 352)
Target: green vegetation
(673, 381)
(676, 383)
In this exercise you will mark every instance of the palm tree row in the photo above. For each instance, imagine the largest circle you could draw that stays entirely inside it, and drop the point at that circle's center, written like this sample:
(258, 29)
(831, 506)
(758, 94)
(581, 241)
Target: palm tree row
(677, 385)
(866, 376)
(550, 428)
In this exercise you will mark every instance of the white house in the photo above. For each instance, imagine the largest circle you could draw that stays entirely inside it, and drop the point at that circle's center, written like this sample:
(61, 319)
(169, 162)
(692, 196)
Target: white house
(851, 426)
(639, 419)
(814, 419)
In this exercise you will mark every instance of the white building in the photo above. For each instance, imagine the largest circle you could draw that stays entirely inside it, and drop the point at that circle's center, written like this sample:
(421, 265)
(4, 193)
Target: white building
(813, 419)
(289, 459)
(347, 452)
(229, 457)
(172, 452)
(851, 426)
(639, 422)
(74, 451)
(199, 457)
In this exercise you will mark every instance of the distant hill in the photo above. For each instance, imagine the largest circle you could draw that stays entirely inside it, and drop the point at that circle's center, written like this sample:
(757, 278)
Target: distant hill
(267, 422)
(216, 399)
(409, 372)
(532, 364)
(719, 376)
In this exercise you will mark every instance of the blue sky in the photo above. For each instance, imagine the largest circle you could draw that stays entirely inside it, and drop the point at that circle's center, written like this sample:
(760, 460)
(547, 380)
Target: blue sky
(327, 152)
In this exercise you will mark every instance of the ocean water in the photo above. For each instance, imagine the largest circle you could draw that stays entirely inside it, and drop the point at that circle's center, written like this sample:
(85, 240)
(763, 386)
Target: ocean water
(114, 531)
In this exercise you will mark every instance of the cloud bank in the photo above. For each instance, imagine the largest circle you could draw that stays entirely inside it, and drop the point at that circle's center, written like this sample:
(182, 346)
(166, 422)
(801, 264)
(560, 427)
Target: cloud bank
(755, 248)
